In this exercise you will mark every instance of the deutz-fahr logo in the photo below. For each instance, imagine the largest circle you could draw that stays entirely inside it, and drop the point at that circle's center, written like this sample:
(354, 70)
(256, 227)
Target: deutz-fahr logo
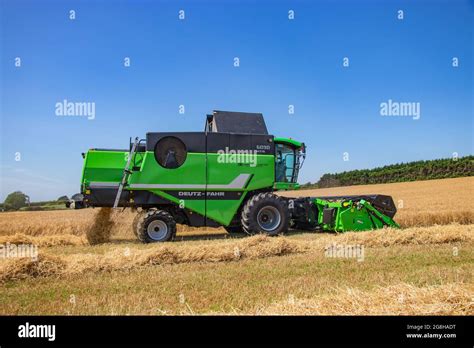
(200, 194)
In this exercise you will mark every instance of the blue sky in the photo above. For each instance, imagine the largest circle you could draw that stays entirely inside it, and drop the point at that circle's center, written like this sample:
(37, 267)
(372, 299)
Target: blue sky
(190, 62)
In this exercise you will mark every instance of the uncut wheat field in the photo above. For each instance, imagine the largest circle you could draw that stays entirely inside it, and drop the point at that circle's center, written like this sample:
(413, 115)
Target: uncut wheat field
(426, 267)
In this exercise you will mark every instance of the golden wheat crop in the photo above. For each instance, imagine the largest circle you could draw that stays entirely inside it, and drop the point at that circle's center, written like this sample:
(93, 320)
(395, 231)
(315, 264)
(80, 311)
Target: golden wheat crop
(78, 223)
(44, 241)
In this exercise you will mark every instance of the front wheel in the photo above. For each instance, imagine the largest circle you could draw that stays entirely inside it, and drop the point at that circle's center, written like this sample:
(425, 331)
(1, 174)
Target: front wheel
(267, 213)
(138, 216)
(156, 226)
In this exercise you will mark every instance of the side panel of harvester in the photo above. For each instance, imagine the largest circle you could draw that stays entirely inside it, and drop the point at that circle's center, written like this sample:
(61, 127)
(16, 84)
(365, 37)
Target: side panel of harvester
(216, 172)
(236, 164)
(103, 165)
(166, 183)
(101, 174)
(229, 183)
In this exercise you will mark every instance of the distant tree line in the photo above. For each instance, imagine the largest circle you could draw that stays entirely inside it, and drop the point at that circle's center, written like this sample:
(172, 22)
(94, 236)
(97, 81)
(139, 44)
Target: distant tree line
(411, 171)
(19, 201)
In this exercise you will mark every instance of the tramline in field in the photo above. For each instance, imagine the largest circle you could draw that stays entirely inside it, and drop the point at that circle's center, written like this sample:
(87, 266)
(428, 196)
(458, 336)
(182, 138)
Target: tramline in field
(224, 176)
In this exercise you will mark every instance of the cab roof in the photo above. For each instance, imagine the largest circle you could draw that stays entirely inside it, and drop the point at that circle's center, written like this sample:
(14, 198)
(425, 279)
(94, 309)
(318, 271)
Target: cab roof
(289, 141)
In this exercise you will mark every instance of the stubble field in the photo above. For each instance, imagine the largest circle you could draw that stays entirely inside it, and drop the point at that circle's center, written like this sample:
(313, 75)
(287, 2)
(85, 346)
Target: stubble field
(427, 267)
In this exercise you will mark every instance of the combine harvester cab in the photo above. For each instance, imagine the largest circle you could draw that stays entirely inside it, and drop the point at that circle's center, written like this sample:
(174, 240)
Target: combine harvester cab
(224, 176)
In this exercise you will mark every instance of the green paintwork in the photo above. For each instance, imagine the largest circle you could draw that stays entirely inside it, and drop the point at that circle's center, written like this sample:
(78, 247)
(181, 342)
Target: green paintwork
(192, 172)
(107, 166)
(221, 172)
(285, 186)
(289, 141)
(220, 169)
(351, 216)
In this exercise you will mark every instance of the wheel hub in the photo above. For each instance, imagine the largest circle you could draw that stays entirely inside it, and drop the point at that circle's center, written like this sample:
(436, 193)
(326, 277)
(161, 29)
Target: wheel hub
(157, 230)
(268, 218)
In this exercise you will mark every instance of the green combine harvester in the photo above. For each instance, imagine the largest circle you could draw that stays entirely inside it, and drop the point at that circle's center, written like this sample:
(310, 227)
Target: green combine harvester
(224, 176)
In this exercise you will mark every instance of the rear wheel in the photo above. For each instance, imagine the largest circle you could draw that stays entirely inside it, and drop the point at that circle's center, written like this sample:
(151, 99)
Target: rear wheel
(156, 226)
(267, 213)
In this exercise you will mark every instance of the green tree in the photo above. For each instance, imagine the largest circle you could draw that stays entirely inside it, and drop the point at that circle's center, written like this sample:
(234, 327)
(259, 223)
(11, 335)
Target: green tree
(399, 172)
(16, 200)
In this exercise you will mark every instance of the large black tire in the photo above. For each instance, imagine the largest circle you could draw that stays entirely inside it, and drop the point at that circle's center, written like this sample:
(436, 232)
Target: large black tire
(267, 213)
(156, 226)
(136, 220)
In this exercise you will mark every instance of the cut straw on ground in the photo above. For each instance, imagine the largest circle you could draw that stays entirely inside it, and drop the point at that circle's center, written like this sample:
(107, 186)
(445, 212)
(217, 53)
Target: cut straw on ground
(453, 233)
(441, 234)
(44, 241)
(400, 299)
(127, 259)
(259, 246)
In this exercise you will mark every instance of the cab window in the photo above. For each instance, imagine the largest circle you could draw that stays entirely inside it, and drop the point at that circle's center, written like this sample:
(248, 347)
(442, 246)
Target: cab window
(284, 163)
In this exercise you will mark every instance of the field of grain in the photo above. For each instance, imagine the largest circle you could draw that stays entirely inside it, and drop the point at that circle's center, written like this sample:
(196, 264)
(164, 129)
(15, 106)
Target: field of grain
(427, 267)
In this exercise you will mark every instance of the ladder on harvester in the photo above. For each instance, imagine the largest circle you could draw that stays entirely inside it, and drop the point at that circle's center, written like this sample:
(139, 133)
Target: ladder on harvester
(126, 172)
